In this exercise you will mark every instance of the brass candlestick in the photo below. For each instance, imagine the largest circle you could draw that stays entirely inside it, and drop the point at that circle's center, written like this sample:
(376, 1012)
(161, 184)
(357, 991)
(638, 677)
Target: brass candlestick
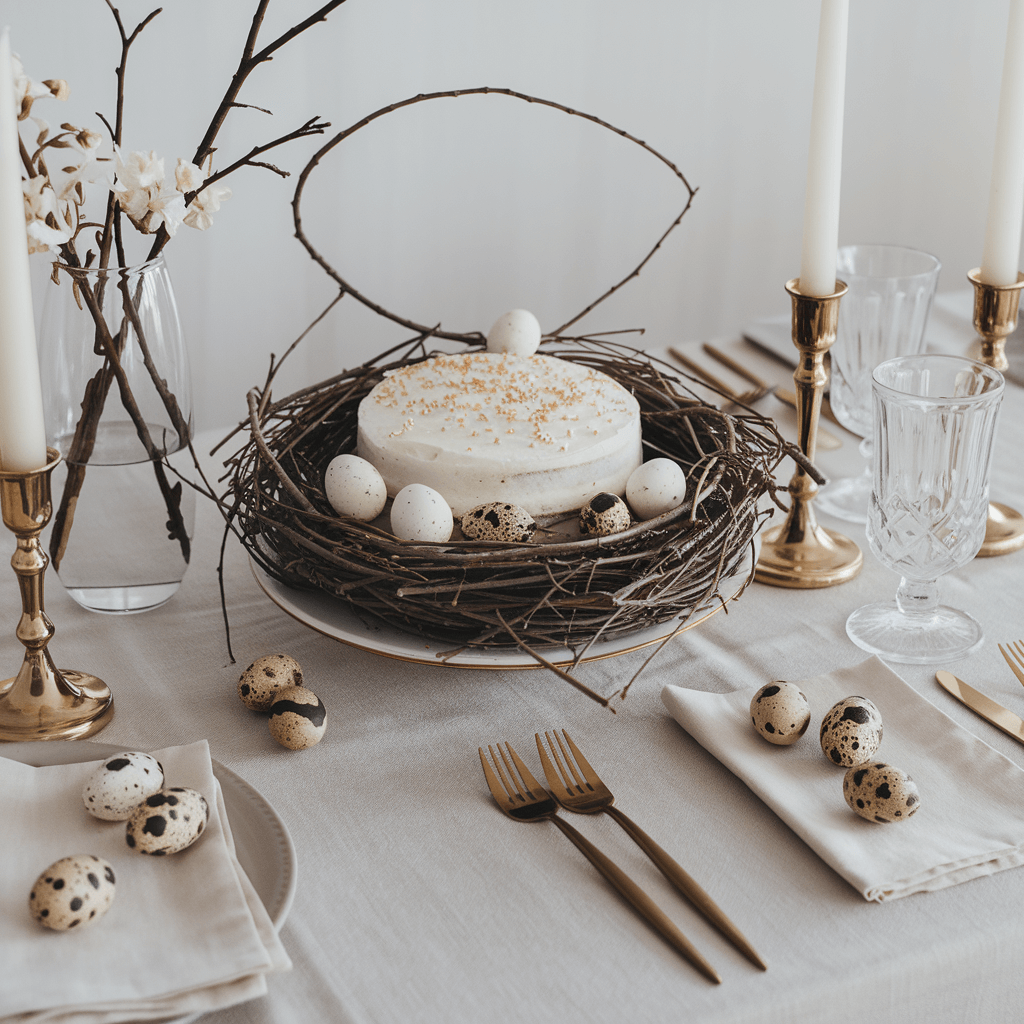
(995, 318)
(801, 554)
(42, 702)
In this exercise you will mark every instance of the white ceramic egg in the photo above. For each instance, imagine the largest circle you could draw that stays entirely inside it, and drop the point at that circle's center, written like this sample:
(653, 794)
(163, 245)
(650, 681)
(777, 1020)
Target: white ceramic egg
(851, 731)
(71, 892)
(517, 331)
(355, 488)
(298, 718)
(655, 487)
(120, 784)
(780, 712)
(167, 822)
(419, 513)
(879, 792)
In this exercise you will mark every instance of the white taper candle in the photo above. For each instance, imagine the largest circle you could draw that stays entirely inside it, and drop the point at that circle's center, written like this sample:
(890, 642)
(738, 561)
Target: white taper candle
(22, 434)
(1001, 256)
(825, 155)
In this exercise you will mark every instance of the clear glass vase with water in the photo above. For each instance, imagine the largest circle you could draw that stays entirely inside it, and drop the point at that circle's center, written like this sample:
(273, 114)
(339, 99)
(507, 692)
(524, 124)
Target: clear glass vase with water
(117, 401)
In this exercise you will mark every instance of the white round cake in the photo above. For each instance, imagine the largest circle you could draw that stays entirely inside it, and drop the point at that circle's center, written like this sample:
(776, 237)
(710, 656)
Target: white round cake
(542, 433)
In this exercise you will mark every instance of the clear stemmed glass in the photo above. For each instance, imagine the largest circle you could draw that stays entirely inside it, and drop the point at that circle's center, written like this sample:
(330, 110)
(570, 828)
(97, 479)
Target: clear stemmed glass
(934, 424)
(882, 316)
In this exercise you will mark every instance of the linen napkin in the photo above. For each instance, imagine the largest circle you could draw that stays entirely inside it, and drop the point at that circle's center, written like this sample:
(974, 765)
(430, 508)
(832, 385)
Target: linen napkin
(185, 934)
(971, 818)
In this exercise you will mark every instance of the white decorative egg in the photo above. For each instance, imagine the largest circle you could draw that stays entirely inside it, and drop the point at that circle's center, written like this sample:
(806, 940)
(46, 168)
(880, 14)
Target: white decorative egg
(851, 731)
(298, 718)
(120, 784)
(498, 520)
(419, 513)
(517, 331)
(780, 712)
(655, 487)
(167, 822)
(265, 678)
(879, 792)
(603, 515)
(72, 892)
(355, 488)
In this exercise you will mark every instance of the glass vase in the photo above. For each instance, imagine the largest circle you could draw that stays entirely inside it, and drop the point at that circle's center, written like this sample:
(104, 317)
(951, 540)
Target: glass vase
(118, 406)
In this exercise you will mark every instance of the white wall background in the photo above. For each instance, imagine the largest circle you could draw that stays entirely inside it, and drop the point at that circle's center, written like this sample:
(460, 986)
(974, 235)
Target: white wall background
(457, 210)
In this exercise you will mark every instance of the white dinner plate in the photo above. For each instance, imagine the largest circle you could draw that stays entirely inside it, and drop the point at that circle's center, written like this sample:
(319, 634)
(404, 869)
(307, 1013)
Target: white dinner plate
(262, 843)
(336, 619)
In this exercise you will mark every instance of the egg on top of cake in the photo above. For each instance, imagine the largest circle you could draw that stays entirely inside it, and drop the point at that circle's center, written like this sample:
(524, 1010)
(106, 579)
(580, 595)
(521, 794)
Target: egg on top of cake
(540, 432)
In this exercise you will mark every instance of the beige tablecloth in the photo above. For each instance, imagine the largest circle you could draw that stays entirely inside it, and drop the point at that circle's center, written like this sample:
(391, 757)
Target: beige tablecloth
(418, 901)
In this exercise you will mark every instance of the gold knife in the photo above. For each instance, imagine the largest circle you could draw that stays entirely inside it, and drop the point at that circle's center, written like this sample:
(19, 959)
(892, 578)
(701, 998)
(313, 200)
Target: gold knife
(992, 712)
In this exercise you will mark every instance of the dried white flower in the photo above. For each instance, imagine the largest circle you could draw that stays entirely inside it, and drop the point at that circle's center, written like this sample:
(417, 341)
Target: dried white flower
(205, 204)
(26, 91)
(43, 223)
(141, 192)
(187, 177)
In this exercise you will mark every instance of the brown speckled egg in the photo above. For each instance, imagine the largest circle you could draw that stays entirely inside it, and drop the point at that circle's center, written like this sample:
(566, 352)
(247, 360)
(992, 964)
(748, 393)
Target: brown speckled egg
(880, 792)
(265, 678)
(167, 822)
(780, 712)
(72, 892)
(120, 784)
(498, 520)
(604, 514)
(851, 732)
(298, 718)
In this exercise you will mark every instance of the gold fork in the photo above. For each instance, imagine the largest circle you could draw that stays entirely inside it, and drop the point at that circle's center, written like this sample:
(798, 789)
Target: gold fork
(577, 787)
(759, 390)
(1014, 655)
(523, 798)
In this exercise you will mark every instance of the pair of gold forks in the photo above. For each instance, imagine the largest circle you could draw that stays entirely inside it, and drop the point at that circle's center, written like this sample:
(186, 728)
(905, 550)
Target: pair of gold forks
(1013, 655)
(577, 787)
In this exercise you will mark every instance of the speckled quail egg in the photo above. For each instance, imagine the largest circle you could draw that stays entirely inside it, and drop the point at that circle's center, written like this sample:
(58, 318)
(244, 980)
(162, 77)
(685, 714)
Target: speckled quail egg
(355, 488)
(420, 513)
(517, 331)
(780, 712)
(851, 731)
(655, 487)
(265, 678)
(167, 822)
(604, 514)
(880, 792)
(120, 784)
(497, 520)
(72, 892)
(298, 718)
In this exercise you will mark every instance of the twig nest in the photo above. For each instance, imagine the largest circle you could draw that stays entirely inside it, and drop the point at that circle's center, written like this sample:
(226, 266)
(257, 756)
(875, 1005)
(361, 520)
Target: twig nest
(517, 331)
(655, 487)
(120, 784)
(167, 822)
(603, 515)
(72, 892)
(420, 513)
(780, 712)
(498, 520)
(851, 731)
(265, 678)
(879, 792)
(298, 718)
(355, 488)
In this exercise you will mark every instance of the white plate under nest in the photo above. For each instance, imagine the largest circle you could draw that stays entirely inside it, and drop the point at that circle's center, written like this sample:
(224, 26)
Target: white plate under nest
(336, 619)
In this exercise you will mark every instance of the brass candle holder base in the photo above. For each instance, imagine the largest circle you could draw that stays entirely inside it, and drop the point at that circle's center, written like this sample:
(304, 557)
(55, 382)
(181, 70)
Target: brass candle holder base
(42, 702)
(800, 554)
(995, 319)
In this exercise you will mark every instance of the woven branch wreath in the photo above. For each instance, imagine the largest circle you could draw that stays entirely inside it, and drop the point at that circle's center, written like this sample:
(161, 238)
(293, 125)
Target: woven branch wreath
(551, 593)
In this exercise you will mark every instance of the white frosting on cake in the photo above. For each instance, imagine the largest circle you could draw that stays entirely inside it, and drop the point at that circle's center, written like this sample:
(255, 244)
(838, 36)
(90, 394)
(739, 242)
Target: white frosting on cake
(542, 433)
